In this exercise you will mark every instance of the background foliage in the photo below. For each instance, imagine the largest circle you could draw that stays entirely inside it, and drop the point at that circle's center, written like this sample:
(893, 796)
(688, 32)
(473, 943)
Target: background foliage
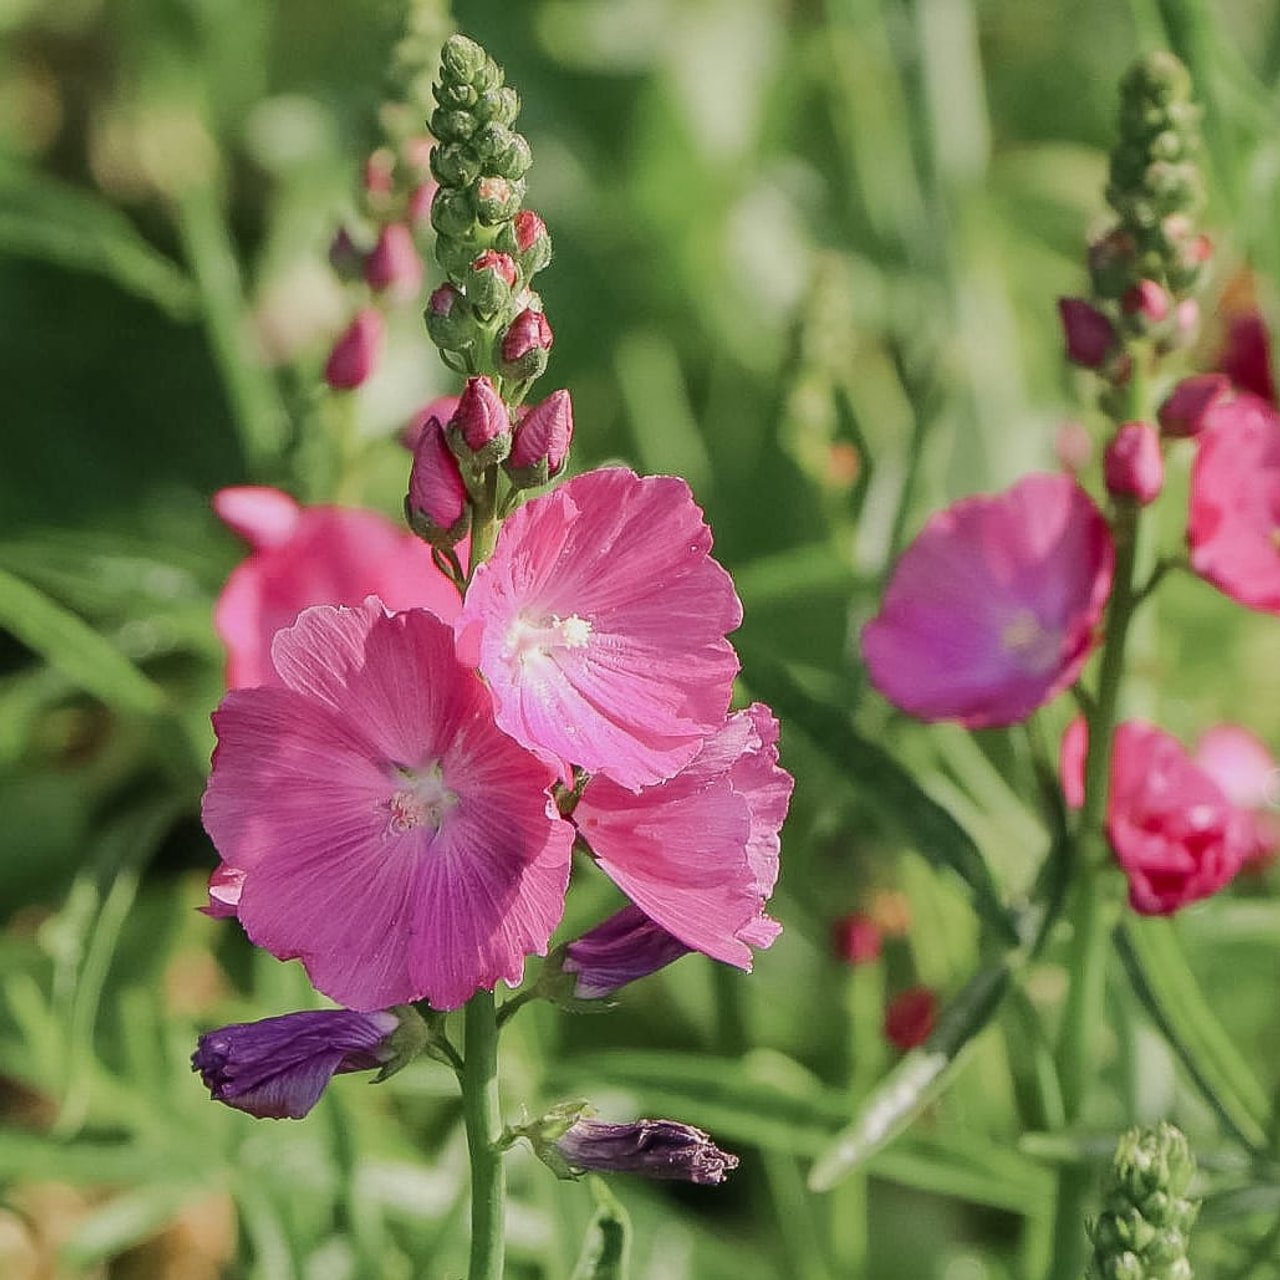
(807, 252)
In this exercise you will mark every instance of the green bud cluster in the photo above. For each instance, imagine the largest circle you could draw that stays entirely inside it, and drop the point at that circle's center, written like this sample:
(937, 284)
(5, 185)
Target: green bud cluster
(1143, 1230)
(480, 162)
(1155, 187)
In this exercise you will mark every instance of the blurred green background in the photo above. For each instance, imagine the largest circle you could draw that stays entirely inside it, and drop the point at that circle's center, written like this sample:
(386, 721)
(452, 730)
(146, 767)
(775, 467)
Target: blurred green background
(807, 254)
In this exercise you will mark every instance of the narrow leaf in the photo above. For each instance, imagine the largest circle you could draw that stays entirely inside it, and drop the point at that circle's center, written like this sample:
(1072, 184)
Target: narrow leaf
(885, 783)
(66, 642)
(919, 1078)
(606, 1248)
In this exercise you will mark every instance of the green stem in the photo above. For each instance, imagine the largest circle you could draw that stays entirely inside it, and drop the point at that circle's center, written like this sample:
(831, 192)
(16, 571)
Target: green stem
(483, 1119)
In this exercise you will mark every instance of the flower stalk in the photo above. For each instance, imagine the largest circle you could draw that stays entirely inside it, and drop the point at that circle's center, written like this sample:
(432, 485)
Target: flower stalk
(482, 1116)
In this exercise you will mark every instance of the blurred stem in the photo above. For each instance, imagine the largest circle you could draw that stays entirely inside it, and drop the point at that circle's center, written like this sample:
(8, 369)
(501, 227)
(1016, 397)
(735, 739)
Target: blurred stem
(1091, 909)
(251, 389)
(482, 1116)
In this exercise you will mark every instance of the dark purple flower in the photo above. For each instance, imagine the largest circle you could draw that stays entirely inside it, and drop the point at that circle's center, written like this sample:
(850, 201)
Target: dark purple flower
(652, 1148)
(624, 948)
(278, 1068)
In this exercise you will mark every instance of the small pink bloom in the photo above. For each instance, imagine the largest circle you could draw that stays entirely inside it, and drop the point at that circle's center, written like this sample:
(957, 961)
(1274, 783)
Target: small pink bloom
(1175, 834)
(391, 837)
(528, 228)
(302, 556)
(525, 345)
(856, 939)
(1246, 354)
(1146, 299)
(1132, 466)
(1186, 412)
(698, 853)
(356, 353)
(1089, 334)
(1249, 777)
(500, 264)
(395, 266)
(993, 610)
(1234, 525)
(910, 1018)
(599, 623)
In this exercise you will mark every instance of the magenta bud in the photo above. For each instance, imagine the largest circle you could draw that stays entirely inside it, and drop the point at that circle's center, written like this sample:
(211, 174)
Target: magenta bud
(437, 507)
(529, 229)
(541, 442)
(345, 256)
(499, 263)
(1089, 334)
(525, 345)
(1185, 413)
(481, 419)
(394, 265)
(449, 323)
(1132, 466)
(1147, 300)
(355, 354)
(489, 285)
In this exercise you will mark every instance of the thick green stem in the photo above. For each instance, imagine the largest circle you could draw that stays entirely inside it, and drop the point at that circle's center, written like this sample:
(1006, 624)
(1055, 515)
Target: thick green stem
(482, 1115)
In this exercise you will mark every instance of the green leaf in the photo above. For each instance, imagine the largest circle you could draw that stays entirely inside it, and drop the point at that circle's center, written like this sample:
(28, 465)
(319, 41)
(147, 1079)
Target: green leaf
(919, 1078)
(884, 783)
(1165, 984)
(43, 218)
(606, 1248)
(69, 644)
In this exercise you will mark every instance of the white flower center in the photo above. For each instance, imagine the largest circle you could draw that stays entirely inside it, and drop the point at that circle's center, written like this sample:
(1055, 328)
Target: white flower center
(1036, 647)
(421, 800)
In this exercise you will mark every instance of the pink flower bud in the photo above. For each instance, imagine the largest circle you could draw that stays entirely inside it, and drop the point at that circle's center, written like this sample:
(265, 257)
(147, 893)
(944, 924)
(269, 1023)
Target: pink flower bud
(1185, 412)
(528, 228)
(437, 502)
(1089, 334)
(1073, 446)
(1146, 299)
(525, 344)
(1132, 466)
(394, 264)
(442, 407)
(355, 354)
(481, 417)
(856, 939)
(542, 439)
(499, 263)
(910, 1018)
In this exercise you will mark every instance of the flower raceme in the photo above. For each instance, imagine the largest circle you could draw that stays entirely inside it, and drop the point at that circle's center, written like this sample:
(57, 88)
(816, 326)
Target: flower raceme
(994, 608)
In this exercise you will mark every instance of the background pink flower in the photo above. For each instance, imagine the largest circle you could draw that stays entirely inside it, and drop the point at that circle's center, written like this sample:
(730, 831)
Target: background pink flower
(1250, 778)
(1234, 525)
(599, 623)
(302, 556)
(993, 610)
(698, 853)
(390, 835)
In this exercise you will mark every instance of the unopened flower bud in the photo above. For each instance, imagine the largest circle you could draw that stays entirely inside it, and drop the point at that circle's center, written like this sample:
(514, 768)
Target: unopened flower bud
(1089, 334)
(437, 508)
(1147, 302)
(394, 266)
(481, 425)
(345, 256)
(452, 125)
(355, 354)
(541, 442)
(452, 213)
(462, 60)
(489, 283)
(622, 949)
(1186, 411)
(525, 345)
(442, 408)
(454, 164)
(1132, 466)
(525, 238)
(910, 1018)
(500, 105)
(495, 199)
(449, 321)
(856, 939)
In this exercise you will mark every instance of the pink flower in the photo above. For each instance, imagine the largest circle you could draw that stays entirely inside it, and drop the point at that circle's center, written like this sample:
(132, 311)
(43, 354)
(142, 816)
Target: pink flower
(302, 556)
(1245, 356)
(1186, 411)
(357, 351)
(394, 265)
(698, 853)
(1234, 525)
(993, 610)
(390, 835)
(599, 623)
(1247, 773)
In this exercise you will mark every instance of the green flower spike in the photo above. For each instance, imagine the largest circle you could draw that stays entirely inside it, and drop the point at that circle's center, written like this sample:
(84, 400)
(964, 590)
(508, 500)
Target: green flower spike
(1143, 1230)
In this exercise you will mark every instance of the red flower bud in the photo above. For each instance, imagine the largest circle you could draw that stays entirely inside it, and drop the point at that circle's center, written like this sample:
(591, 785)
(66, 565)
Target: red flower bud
(437, 503)
(1185, 412)
(481, 417)
(499, 263)
(528, 228)
(394, 264)
(1132, 466)
(355, 354)
(525, 345)
(856, 939)
(542, 439)
(1089, 334)
(909, 1019)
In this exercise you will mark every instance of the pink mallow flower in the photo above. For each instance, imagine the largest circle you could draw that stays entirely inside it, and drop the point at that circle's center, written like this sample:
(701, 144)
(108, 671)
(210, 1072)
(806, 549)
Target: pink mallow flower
(599, 623)
(1175, 833)
(994, 608)
(1249, 777)
(278, 1068)
(1234, 525)
(698, 853)
(390, 835)
(302, 556)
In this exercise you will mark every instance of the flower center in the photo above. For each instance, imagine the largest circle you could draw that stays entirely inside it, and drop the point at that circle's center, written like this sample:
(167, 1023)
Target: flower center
(528, 640)
(1036, 647)
(421, 800)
